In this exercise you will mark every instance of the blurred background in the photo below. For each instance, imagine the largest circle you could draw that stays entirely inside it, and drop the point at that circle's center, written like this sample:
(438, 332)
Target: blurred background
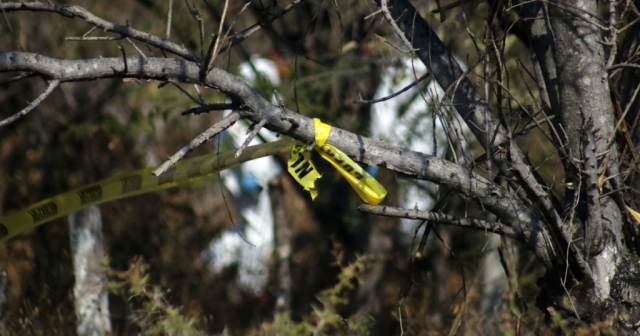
(215, 258)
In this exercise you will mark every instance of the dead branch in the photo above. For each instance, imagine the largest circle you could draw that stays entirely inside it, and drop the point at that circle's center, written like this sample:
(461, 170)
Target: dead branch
(254, 132)
(238, 38)
(416, 33)
(211, 107)
(77, 11)
(374, 101)
(17, 78)
(52, 86)
(438, 217)
(207, 135)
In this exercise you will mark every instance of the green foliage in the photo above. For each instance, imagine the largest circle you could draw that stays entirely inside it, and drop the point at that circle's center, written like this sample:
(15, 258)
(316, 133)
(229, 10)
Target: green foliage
(154, 315)
(325, 318)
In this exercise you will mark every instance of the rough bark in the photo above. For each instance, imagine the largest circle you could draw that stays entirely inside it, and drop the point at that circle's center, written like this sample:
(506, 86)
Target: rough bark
(90, 289)
(572, 63)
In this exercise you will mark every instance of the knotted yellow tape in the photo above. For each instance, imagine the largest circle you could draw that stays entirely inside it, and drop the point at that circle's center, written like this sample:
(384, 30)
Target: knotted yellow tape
(369, 190)
(302, 169)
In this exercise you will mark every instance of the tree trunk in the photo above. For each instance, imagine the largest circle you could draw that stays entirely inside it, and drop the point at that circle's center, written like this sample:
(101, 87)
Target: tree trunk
(90, 290)
(596, 278)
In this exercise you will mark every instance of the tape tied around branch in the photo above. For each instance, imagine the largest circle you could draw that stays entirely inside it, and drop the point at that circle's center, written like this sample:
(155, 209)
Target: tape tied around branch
(303, 170)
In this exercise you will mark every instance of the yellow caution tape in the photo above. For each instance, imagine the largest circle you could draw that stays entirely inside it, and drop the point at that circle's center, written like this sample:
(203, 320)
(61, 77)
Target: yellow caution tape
(130, 184)
(369, 190)
(303, 169)
(143, 181)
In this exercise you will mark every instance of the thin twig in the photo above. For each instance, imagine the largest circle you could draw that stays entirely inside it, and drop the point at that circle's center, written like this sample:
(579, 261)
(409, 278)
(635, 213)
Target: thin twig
(536, 123)
(219, 35)
(238, 38)
(19, 77)
(211, 107)
(406, 289)
(226, 34)
(252, 135)
(136, 47)
(336, 73)
(167, 36)
(207, 58)
(626, 110)
(448, 7)
(94, 38)
(374, 101)
(185, 92)
(629, 25)
(195, 86)
(77, 11)
(89, 31)
(613, 50)
(385, 11)
(438, 217)
(196, 15)
(623, 65)
(13, 33)
(124, 58)
(207, 135)
(393, 46)
(52, 86)
(372, 15)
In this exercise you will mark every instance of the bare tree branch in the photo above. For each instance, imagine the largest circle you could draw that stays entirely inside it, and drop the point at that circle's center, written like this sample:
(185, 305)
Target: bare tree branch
(238, 38)
(17, 78)
(374, 101)
(207, 135)
(252, 134)
(415, 31)
(211, 107)
(77, 11)
(438, 217)
(52, 86)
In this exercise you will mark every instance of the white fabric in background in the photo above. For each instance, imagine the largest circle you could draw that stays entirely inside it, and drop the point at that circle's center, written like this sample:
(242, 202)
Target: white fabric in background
(250, 242)
(412, 128)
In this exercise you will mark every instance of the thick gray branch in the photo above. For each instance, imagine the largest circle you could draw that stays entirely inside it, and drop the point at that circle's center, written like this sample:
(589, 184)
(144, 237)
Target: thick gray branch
(369, 151)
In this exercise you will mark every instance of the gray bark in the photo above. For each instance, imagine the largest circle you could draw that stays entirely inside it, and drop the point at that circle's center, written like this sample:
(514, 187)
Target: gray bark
(90, 289)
